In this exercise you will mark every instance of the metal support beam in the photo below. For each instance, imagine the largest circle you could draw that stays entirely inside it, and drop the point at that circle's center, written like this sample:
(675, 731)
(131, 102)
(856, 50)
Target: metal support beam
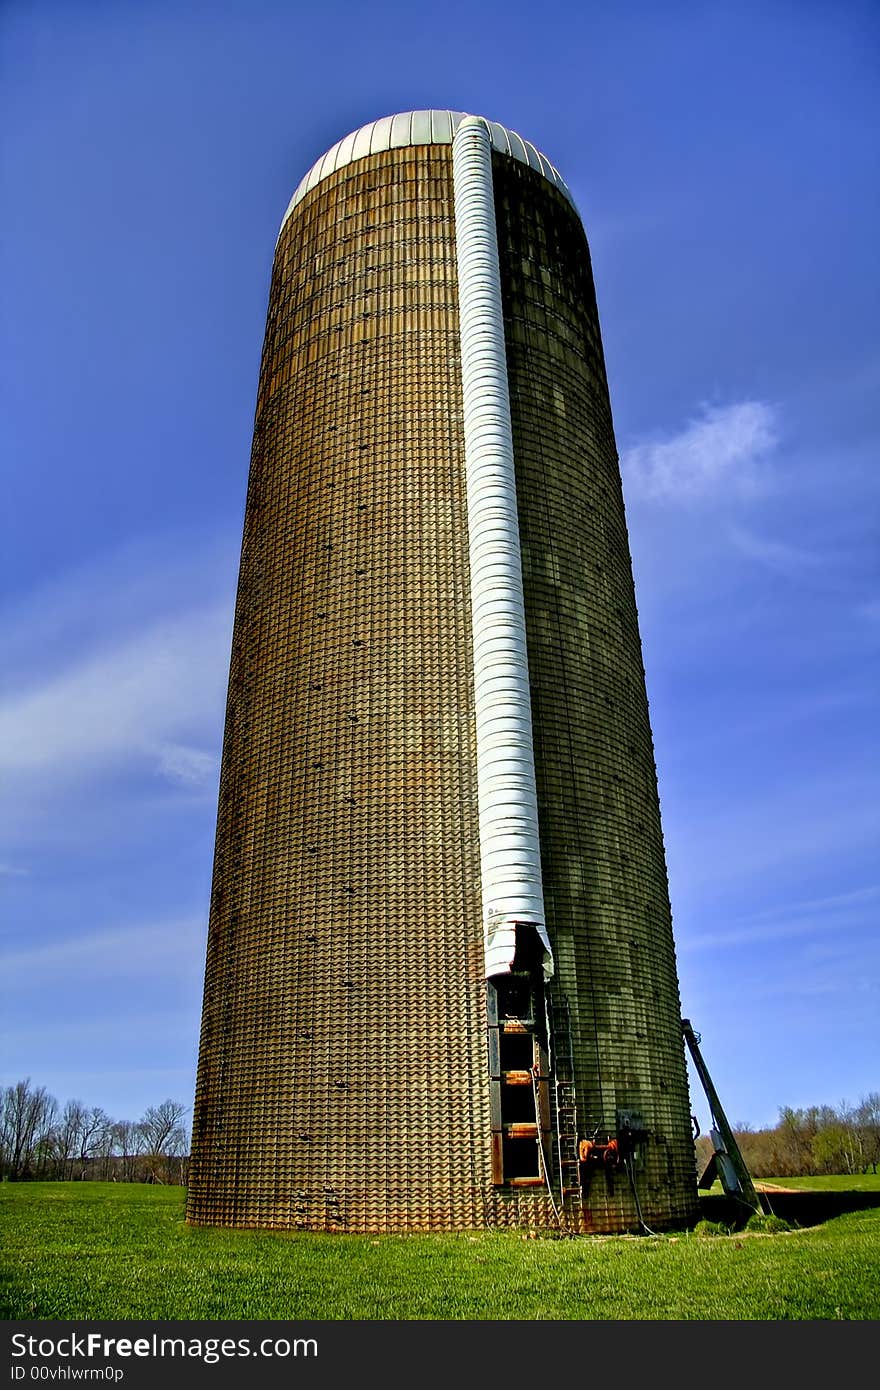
(735, 1176)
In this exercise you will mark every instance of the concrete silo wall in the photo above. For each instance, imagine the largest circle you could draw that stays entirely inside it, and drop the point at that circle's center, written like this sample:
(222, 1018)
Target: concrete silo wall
(344, 1080)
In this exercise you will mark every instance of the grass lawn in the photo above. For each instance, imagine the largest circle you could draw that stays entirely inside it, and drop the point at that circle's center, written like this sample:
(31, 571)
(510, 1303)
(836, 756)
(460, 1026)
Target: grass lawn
(837, 1182)
(113, 1250)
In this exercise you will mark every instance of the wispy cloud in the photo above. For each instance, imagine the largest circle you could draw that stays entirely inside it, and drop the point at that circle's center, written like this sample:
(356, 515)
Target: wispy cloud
(135, 950)
(719, 452)
(147, 698)
(851, 912)
(191, 767)
(855, 897)
(112, 697)
(775, 555)
(97, 604)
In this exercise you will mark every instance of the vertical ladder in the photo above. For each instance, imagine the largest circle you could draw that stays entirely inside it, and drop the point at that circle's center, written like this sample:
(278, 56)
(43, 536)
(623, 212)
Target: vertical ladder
(562, 1068)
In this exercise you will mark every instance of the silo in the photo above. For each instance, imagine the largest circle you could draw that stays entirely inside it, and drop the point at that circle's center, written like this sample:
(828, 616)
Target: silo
(441, 989)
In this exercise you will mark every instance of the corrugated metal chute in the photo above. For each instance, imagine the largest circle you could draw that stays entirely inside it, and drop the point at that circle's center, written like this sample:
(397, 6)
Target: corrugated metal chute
(510, 860)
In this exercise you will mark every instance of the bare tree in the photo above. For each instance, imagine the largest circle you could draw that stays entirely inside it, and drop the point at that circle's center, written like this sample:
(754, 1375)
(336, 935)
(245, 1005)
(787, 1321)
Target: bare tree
(129, 1142)
(103, 1151)
(26, 1124)
(94, 1124)
(65, 1138)
(165, 1137)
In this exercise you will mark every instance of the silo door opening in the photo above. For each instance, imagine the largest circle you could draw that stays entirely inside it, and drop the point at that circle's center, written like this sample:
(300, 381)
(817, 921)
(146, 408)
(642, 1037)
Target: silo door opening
(518, 1070)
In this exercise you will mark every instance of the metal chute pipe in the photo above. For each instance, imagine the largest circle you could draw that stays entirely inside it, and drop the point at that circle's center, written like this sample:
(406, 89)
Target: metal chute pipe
(510, 859)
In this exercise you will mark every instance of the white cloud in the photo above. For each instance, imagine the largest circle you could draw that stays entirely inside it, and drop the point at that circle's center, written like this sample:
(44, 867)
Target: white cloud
(136, 700)
(189, 766)
(717, 454)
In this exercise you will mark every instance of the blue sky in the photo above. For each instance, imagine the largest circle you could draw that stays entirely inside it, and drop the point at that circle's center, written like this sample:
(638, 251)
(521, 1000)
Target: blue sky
(724, 161)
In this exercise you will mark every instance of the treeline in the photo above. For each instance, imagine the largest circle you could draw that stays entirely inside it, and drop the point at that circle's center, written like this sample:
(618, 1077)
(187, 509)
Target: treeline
(818, 1139)
(42, 1140)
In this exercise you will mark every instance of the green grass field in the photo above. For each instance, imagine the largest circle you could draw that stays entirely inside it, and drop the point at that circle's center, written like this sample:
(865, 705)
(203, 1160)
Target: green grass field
(836, 1182)
(105, 1250)
(860, 1182)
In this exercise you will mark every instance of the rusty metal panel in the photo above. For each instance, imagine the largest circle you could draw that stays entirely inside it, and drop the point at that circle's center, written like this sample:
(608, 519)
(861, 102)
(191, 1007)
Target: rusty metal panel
(521, 1131)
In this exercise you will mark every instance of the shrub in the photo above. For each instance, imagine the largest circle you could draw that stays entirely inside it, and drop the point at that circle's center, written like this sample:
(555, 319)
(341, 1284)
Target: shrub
(711, 1228)
(767, 1224)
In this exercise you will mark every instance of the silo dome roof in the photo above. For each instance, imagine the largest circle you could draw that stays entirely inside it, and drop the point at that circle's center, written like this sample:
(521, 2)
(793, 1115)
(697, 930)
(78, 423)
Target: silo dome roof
(419, 128)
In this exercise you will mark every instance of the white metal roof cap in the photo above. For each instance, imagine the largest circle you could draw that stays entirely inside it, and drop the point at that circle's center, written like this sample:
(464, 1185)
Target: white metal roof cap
(419, 128)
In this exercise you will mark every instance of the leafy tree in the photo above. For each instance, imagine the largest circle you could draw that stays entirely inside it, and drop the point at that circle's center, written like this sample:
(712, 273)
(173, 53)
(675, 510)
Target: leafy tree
(867, 1119)
(830, 1150)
